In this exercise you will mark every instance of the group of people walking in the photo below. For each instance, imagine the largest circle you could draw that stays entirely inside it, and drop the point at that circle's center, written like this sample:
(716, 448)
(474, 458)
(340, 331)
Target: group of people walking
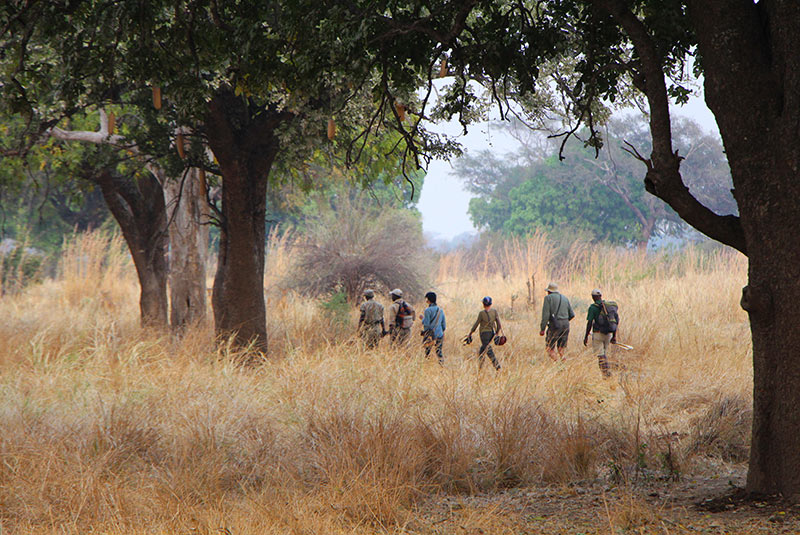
(601, 322)
(372, 328)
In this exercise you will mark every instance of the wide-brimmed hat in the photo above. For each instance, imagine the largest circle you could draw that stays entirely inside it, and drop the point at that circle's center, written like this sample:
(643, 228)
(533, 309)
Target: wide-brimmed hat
(397, 291)
(552, 287)
(369, 293)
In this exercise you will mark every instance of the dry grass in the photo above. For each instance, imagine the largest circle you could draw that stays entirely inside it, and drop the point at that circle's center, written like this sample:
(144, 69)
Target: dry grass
(110, 429)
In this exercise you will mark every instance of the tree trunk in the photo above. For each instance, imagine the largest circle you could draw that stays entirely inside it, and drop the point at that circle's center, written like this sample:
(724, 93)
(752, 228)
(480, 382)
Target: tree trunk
(771, 299)
(138, 207)
(238, 295)
(243, 139)
(187, 213)
(648, 224)
(769, 218)
(750, 58)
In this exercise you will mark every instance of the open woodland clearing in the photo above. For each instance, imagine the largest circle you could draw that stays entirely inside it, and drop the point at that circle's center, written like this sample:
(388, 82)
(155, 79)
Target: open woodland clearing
(111, 429)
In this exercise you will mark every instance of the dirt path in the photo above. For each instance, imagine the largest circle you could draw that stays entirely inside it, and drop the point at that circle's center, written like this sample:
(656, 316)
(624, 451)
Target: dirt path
(703, 504)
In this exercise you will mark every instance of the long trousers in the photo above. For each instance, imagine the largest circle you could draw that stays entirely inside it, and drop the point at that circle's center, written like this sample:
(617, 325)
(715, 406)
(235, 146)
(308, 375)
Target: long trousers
(486, 350)
(400, 335)
(438, 343)
(371, 335)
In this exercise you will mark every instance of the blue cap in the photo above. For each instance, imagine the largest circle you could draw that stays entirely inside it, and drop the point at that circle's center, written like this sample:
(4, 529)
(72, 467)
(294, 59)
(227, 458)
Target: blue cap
(487, 300)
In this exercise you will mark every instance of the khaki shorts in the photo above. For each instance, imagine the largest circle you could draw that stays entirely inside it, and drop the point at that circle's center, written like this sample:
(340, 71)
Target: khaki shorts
(600, 343)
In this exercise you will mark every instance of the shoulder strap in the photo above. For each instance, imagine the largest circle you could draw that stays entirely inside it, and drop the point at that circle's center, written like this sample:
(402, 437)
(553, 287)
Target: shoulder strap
(436, 318)
(560, 302)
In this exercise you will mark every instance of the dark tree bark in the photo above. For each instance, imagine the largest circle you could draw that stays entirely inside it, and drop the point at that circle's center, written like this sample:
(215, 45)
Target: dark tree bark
(243, 138)
(752, 85)
(750, 53)
(138, 207)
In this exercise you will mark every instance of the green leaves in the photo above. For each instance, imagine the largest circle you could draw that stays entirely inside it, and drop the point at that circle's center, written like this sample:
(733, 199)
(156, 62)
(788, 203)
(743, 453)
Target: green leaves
(602, 197)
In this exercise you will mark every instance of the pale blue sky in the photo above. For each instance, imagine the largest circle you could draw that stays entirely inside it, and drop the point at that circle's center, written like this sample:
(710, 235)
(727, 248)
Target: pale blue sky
(444, 203)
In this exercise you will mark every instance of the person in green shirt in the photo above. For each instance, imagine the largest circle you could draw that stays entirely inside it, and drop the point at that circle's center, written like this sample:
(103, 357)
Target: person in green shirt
(556, 315)
(601, 321)
(487, 320)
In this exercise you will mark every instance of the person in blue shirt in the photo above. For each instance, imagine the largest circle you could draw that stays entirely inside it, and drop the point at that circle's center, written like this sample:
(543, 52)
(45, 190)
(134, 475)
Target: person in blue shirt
(433, 327)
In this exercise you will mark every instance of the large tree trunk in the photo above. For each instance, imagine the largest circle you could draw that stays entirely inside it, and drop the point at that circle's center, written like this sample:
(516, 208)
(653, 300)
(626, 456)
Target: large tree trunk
(765, 166)
(750, 55)
(187, 212)
(243, 139)
(770, 299)
(138, 207)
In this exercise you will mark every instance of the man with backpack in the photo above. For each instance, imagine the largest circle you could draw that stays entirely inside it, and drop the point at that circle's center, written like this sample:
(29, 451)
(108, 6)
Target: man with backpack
(488, 319)
(556, 315)
(401, 318)
(433, 327)
(370, 322)
(602, 321)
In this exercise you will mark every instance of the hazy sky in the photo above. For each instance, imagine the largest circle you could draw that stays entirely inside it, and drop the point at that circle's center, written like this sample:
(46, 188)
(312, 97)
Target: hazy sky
(444, 203)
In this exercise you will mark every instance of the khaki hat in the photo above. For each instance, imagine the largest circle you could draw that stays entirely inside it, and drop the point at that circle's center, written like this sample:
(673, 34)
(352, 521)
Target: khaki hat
(397, 291)
(552, 287)
(369, 293)
(596, 292)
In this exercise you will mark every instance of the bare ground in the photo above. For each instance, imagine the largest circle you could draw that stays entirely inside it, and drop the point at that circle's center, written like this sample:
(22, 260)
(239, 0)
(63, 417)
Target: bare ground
(703, 504)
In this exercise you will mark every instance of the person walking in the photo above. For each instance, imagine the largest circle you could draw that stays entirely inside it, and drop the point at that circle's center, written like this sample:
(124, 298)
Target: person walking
(433, 327)
(556, 314)
(370, 323)
(487, 323)
(601, 321)
(401, 318)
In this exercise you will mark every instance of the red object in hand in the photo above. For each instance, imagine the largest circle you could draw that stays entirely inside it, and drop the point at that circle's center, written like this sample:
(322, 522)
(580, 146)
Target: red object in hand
(541, 333)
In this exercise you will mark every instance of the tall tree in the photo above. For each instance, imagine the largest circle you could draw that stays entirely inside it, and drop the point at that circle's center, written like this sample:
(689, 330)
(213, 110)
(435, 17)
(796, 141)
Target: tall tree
(748, 53)
(98, 152)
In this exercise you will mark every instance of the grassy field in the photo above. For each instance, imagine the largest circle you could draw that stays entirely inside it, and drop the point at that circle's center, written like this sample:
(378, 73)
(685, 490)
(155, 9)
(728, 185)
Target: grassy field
(110, 429)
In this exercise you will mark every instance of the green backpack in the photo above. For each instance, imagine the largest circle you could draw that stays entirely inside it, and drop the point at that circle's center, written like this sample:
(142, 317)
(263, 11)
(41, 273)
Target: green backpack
(608, 319)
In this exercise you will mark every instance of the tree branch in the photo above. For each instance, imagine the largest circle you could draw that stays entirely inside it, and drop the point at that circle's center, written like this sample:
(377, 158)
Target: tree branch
(663, 178)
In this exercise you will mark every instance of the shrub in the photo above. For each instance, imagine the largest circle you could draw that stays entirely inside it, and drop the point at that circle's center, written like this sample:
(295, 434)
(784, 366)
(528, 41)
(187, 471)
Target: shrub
(337, 309)
(351, 249)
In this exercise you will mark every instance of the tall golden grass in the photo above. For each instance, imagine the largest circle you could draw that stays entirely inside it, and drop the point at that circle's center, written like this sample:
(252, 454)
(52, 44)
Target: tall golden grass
(110, 429)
